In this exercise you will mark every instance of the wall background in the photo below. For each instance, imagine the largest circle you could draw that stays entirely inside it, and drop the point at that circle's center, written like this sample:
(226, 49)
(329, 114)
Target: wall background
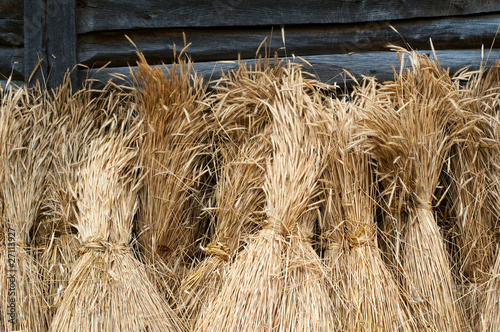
(330, 35)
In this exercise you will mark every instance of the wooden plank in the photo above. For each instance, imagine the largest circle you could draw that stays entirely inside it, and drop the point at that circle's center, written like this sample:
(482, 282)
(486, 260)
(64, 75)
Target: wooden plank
(329, 68)
(105, 15)
(11, 63)
(97, 49)
(50, 40)
(61, 40)
(11, 32)
(11, 23)
(11, 8)
(11, 40)
(34, 45)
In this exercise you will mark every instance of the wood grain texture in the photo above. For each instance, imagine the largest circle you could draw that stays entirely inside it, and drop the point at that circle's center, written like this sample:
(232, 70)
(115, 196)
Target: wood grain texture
(329, 67)
(97, 49)
(11, 22)
(11, 63)
(11, 32)
(10, 8)
(34, 42)
(104, 15)
(60, 40)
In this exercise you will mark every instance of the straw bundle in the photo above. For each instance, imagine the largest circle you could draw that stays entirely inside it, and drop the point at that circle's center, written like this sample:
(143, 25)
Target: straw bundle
(472, 168)
(373, 300)
(490, 319)
(332, 235)
(109, 289)
(490, 96)
(242, 133)
(176, 154)
(24, 159)
(470, 189)
(473, 165)
(409, 132)
(277, 282)
(240, 98)
(79, 117)
(239, 211)
(299, 117)
(59, 256)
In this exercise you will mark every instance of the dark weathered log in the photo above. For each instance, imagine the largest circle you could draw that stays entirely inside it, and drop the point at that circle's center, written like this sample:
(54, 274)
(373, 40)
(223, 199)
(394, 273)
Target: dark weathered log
(34, 44)
(61, 40)
(11, 8)
(11, 63)
(11, 23)
(96, 49)
(104, 15)
(329, 68)
(50, 40)
(11, 32)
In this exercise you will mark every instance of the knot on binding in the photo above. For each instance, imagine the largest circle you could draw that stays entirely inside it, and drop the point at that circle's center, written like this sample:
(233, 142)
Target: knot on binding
(424, 205)
(218, 249)
(422, 202)
(333, 239)
(96, 243)
(361, 234)
(274, 225)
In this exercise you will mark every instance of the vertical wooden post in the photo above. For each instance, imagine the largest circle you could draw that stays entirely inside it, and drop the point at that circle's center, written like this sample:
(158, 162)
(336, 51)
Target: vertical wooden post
(34, 42)
(49, 36)
(61, 40)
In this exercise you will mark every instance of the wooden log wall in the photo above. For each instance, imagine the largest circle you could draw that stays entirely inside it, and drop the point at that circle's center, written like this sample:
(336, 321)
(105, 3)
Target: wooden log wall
(11, 40)
(330, 35)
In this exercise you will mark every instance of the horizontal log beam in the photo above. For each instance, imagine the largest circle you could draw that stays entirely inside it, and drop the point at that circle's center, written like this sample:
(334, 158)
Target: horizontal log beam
(329, 68)
(105, 15)
(11, 23)
(11, 32)
(11, 62)
(225, 44)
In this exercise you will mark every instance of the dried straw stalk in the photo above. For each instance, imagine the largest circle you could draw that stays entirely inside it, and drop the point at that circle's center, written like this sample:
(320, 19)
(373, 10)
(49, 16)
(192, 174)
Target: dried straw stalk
(408, 128)
(277, 281)
(479, 152)
(176, 154)
(80, 116)
(239, 213)
(240, 97)
(489, 92)
(373, 300)
(109, 289)
(490, 296)
(469, 190)
(25, 130)
(299, 123)
(332, 236)
(472, 164)
(242, 133)
(490, 319)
